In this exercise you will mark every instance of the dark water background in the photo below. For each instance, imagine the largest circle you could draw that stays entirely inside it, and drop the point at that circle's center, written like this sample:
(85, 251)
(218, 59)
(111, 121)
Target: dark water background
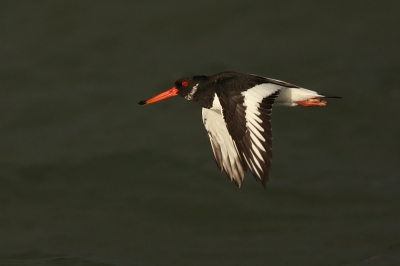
(88, 177)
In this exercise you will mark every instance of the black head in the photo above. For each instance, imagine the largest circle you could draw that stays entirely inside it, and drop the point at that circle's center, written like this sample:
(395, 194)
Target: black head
(198, 89)
(188, 86)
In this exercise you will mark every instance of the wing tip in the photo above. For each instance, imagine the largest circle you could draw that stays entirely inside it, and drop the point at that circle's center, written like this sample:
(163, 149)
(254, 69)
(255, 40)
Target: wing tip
(238, 183)
(264, 183)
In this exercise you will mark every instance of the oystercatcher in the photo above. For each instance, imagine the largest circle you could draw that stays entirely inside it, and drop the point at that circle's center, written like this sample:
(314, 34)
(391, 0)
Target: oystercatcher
(236, 114)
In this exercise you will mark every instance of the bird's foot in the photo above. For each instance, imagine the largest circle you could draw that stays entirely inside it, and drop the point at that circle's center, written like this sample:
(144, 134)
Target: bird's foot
(312, 102)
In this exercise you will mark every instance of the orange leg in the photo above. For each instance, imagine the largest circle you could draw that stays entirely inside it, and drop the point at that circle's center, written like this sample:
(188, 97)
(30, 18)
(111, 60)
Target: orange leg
(312, 102)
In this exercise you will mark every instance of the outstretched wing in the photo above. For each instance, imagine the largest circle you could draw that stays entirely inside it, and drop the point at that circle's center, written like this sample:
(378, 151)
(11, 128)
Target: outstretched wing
(247, 117)
(225, 152)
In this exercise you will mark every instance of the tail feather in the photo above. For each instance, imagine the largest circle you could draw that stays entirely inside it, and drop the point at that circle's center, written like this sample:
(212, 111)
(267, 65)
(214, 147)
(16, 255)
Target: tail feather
(330, 96)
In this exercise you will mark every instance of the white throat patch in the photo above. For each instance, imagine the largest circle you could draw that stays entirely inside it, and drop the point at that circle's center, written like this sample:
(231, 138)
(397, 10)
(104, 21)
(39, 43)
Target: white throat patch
(190, 95)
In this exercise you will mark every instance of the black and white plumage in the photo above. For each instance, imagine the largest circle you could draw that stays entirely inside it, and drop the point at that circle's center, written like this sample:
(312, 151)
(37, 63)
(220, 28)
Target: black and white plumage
(237, 116)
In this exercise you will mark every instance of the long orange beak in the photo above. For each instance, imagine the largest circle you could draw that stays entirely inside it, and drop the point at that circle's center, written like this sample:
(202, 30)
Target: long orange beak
(162, 96)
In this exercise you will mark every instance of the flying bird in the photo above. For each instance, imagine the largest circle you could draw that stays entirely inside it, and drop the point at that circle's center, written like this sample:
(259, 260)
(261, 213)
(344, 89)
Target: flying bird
(236, 111)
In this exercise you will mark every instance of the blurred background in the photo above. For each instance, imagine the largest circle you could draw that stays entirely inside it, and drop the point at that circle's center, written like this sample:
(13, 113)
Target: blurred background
(89, 177)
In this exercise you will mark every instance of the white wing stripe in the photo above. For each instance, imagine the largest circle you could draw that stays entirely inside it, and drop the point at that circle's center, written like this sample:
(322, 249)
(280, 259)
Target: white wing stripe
(218, 132)
(252, 99)
(254, 116)
(256, 142)
(257, 152)
(255, 169)
(258, 134)
(256, 161)
(252, 125)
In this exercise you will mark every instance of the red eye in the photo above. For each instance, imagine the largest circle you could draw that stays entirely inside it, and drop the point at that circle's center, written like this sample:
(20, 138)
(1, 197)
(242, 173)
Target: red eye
(184, 83)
